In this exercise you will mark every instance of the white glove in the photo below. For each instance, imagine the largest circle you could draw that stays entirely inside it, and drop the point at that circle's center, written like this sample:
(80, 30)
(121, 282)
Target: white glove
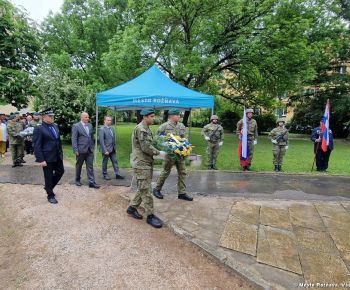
(220, 144)
(162, 153)
(286, 147)
(207, 138)
(274, 141)
(255, 142)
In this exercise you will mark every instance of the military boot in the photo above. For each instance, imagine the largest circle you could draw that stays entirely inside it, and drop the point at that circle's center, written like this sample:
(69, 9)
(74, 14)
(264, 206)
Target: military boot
(209, 167)
(276, 168)
(154, 221)
(157, 193)
(134, 213)
(280, 167)
(214, 167)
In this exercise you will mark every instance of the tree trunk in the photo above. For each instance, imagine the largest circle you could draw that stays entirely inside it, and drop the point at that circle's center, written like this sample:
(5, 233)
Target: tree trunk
(165, 116)
(139, 117)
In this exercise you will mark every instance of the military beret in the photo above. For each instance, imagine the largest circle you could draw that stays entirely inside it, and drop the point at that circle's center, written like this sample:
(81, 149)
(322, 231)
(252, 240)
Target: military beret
(249, 111)
(147, 111)
(17, 113)
(48, 112)
(36, 114)
(12, 116)
(174, 111)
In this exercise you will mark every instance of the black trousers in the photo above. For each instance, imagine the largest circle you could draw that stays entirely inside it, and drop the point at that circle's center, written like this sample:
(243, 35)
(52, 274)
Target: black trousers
(52, 174)
(29, 146)
(322, 159)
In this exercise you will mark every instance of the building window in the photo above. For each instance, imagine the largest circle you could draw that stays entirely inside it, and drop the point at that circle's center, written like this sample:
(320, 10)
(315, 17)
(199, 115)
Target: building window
(342, 70)
(281, 112)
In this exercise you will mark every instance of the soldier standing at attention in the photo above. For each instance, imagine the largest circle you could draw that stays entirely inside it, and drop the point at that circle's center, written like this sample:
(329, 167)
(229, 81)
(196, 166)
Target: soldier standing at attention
(279, 139)
(142, 163)
(176, 128)
(14, 128)
(252, 128)
(214, 134)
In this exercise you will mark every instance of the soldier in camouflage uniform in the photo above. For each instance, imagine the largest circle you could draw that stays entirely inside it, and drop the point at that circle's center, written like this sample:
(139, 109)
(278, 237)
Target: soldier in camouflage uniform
(177, 129)
(36, 120)
(252, 128)
(14, 128)
(142, 163)
(279, 139)
(214, 134)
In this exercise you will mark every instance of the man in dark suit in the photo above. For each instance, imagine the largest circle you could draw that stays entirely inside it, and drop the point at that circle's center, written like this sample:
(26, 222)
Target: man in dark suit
(108, 148)
(83, 147)
(48, 152)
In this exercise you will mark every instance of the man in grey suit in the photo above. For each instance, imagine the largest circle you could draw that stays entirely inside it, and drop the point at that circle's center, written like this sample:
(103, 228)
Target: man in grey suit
(107, 142)
(83, 147)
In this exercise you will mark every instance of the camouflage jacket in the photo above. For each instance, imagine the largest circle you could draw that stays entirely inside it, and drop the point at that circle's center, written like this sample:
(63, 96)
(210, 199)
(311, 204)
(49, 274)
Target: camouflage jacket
(34, 123)
(142, 147)
(177, 129)
(13, 129)
(214, 131)
(279, 131)
(252, 128)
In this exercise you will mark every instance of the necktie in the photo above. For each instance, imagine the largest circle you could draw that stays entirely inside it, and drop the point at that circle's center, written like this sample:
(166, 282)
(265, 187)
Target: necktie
(86, 129)
(54, 132)
(110, 131)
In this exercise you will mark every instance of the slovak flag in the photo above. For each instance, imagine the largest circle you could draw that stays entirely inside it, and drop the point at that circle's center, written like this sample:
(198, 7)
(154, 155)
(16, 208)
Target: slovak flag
(243, 150)
(325, 127)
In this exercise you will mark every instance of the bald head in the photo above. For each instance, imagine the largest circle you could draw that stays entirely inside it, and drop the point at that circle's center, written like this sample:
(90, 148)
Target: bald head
(84, 117)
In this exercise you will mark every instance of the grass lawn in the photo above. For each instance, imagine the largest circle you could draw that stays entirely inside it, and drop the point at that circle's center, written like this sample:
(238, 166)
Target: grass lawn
(298, 159)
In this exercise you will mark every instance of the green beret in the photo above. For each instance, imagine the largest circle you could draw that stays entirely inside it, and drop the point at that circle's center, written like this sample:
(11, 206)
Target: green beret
(12, 116)
(174, 111)
(146, 112)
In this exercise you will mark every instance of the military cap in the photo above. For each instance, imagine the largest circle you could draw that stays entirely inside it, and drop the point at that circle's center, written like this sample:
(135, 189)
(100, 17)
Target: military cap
(36, 114)
(147, 111)
(214, 117)
(281, 120)
(1, 114)
(48, 112)
(249, 111)
(174, 111)
(16, 113)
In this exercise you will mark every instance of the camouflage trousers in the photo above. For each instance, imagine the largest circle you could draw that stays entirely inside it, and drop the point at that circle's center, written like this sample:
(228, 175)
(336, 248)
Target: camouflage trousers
(16, 152)
(278, 152)
(212, 151)
(181, 174)
(251, 150)
(144, 190)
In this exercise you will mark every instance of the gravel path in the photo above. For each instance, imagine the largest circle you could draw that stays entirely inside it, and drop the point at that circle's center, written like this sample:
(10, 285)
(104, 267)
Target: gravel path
(88, 242)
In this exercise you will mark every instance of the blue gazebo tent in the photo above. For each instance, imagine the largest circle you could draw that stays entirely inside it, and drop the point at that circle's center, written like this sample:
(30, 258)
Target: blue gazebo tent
(153, 89)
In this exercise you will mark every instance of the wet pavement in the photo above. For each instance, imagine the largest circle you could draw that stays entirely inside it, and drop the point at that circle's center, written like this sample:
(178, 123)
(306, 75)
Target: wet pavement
(279, 231)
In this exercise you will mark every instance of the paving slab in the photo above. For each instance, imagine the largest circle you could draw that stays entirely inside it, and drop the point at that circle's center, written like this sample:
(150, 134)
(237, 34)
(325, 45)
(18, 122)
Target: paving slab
(318, 241)
(275, 217)
(278, 248)
(319, 267)
(246, 212)
(305, 215)
(240, 236)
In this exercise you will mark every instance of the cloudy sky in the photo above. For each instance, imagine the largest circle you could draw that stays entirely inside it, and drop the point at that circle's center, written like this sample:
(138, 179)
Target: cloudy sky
(39, 9)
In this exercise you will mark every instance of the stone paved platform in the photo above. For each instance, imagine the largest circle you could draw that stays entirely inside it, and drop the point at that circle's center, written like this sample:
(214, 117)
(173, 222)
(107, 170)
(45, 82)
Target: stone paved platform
(278, 231)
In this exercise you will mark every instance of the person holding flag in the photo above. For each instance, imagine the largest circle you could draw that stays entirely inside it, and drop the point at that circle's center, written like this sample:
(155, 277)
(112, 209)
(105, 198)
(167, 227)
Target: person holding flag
(247, 130)
(323, 141)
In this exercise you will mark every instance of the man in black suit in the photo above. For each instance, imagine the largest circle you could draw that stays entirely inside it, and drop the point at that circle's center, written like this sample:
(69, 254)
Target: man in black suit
(83, 146)
(48, 152)
(108, 148)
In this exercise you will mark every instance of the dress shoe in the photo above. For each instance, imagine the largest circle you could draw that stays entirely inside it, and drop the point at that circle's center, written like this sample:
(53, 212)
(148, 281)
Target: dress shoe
(94, 185)
(154, 221)
(52, 200)
(134, 213)
(77, 183)
(117, 176)
(185, 196)
(158, 194)
(106, 177)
